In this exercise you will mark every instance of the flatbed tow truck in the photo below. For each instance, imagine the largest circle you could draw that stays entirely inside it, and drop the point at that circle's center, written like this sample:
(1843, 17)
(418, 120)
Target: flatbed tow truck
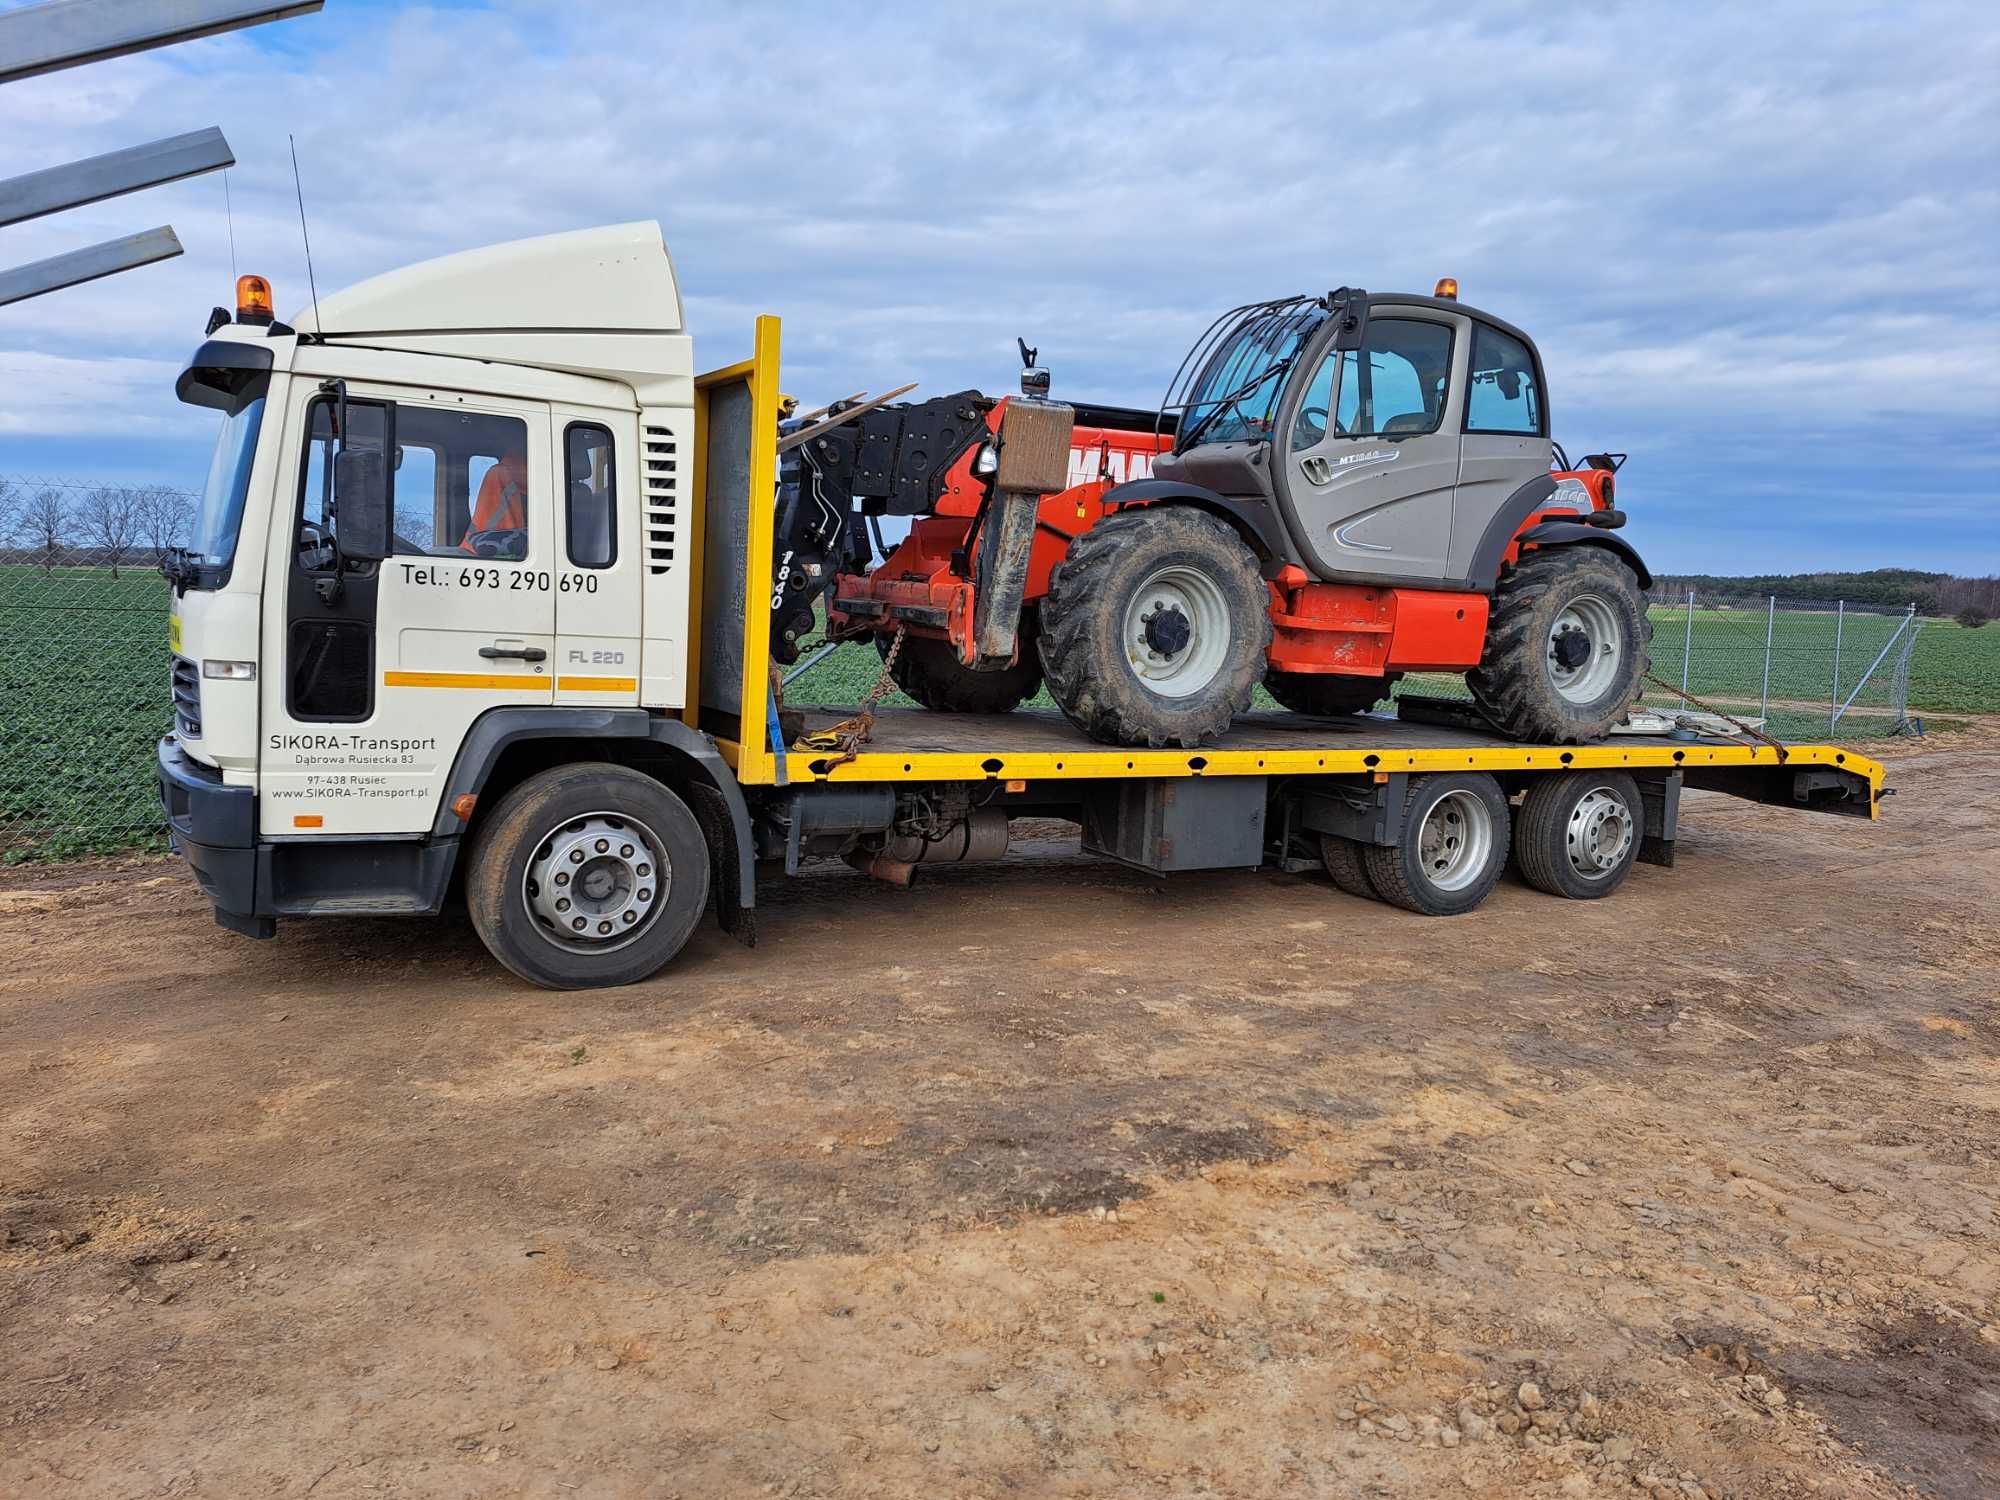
(573, 722)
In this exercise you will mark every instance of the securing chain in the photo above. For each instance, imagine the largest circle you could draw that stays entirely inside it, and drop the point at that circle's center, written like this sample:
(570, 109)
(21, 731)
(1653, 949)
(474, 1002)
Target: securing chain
(847, 737)
(1709, 708)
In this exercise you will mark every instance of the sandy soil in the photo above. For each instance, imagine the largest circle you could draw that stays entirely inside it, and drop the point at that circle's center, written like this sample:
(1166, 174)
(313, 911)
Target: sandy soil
(1039, 1179)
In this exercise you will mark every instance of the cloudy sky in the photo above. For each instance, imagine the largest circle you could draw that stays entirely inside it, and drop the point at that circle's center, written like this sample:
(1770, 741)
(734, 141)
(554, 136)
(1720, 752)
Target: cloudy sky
(1759, 245)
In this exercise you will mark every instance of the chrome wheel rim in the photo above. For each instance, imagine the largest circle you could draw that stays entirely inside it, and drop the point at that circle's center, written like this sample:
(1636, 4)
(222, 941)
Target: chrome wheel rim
(596, 882)
(1599, 834)
(1586, 646)
(1456, 840)
(1176, 631)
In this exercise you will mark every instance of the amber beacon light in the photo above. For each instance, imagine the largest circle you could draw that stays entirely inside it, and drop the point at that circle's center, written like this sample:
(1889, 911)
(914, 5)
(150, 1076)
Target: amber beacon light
(253, 299)
(1447, 287)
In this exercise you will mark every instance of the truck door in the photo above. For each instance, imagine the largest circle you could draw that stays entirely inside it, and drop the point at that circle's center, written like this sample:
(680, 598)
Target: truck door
(601, 555)
(1370, 459)
(383, 667)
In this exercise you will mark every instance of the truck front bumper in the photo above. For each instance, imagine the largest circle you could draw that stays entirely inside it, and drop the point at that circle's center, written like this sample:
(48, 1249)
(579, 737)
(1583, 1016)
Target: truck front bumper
(213, 827)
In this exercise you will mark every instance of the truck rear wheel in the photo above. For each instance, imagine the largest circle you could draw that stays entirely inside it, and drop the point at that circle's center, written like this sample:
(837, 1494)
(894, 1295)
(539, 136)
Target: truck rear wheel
(1577, 834)
(1345, 866)
(930, 672)
(1453, 847)
(1323, 694)
(1155, 628)
(587, 876)
(1566, 647)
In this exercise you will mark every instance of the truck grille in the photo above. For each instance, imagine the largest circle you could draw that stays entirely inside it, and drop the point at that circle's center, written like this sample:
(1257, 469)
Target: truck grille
(187, 697)
(662, 494)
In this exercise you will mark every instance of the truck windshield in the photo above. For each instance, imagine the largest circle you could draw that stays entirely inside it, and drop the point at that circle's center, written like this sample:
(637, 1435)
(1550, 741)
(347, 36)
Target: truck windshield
(1235, 398)
(212, 538)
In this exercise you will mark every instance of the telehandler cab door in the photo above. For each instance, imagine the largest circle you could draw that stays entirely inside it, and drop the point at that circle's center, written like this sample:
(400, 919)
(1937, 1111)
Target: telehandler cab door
(1368, 447)
(382, 666)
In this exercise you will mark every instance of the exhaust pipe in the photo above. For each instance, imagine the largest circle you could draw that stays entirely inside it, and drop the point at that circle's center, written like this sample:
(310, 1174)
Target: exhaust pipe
(981, 836)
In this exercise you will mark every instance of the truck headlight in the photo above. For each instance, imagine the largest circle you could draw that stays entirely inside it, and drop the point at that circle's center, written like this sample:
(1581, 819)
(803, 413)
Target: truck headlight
(230, 671)
(986, 462)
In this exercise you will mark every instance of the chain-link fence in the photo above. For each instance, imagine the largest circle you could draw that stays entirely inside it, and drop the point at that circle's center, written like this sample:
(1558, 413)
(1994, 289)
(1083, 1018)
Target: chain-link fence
(83, 677)
(1801, 668)
(83, 681)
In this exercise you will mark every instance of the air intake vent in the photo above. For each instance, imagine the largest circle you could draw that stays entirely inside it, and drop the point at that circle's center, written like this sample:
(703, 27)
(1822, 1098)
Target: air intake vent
(662, 498)
(187, 698)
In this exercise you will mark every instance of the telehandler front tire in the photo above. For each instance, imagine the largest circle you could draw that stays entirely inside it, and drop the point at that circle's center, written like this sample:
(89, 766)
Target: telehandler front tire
(1566, 647)
(587, 876)
(1155, 628)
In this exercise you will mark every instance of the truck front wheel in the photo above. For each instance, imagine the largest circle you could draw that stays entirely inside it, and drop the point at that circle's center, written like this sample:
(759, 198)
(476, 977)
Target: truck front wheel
(587, 876)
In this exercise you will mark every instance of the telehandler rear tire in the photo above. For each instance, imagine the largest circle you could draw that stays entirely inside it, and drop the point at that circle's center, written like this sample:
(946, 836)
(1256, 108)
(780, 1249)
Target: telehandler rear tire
(930, 672)
(1324, 694)
(1566, 646)
(1155, 628)
(587, 876)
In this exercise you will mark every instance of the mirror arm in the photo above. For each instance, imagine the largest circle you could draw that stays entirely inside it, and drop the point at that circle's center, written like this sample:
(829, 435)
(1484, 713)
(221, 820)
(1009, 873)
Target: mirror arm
(329, 589)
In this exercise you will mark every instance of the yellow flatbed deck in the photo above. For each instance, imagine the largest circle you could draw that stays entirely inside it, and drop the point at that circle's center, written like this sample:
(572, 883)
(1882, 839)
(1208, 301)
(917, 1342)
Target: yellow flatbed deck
(913, 744)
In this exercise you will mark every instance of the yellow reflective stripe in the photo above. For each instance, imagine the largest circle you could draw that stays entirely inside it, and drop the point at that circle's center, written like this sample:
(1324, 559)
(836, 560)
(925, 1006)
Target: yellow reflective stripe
(487, 680)
(598, 684)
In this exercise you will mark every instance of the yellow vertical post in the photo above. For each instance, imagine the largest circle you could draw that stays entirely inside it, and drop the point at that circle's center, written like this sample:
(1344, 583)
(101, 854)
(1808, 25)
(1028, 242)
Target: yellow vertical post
(757, 766)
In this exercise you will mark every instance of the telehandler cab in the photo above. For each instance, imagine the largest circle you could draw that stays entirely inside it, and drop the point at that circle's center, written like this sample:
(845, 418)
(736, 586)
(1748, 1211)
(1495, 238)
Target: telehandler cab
(1339, 490)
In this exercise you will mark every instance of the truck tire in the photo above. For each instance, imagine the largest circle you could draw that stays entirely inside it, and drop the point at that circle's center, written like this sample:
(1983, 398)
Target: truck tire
(1453, 846)
(1324, 694)
(587, 876)
(1566, 647)
(1155, 628)
(1345, 866)
(1577, 834)
(930, 672)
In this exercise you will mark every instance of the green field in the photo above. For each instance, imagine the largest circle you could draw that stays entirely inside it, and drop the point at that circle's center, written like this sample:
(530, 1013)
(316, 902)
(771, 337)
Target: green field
(83, 692)
(83, 697)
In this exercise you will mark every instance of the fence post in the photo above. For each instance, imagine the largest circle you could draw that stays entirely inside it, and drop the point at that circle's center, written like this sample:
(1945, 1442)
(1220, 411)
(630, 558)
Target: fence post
(1687, 645)
(1770, 626)
(1839, 628)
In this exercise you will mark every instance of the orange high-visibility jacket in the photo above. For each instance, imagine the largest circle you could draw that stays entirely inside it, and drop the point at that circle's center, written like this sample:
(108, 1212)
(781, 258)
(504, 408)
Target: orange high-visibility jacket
(503, 499)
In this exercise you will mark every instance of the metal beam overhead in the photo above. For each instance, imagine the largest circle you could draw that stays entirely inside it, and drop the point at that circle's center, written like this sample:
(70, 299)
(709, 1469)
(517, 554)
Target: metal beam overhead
(68, 33)
(54, 189)
(78, 266)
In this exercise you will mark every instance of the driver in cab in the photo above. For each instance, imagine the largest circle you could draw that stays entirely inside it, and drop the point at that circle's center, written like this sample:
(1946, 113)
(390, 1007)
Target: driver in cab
(499, 526)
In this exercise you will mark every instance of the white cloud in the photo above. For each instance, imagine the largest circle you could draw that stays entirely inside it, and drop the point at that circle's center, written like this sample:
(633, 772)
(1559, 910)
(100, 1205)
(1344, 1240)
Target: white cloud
(1705, 214)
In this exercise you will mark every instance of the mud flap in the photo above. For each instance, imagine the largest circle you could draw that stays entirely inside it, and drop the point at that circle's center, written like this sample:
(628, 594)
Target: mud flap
(726, 874)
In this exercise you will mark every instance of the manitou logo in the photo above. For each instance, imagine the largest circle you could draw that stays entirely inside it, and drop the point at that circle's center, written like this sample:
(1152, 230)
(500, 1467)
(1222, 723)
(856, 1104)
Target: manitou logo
(1102, 461)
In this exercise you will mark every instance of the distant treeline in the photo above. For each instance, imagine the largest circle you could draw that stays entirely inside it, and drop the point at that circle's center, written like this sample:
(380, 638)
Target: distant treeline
(1932, 593)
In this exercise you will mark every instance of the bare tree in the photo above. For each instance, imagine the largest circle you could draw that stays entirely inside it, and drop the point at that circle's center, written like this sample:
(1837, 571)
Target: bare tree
(111, 520)
(45, 521)
(164, 517)
(11, 500)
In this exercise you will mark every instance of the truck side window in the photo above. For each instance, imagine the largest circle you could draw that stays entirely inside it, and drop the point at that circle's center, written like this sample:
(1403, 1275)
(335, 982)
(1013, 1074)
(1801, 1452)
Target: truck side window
(1309, 428)
(1395, 384)
(1505, 395)
(463, 482)
(590, 477)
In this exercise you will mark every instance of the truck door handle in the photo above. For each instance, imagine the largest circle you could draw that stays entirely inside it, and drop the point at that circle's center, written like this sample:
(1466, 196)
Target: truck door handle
(1316, 470)
(516, 653)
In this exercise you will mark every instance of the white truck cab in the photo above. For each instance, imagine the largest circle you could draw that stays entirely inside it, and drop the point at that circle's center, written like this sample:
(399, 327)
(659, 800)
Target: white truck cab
(452, 490)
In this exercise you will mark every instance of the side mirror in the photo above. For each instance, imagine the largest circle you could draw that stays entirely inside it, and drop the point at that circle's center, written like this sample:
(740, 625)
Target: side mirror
(361, 504)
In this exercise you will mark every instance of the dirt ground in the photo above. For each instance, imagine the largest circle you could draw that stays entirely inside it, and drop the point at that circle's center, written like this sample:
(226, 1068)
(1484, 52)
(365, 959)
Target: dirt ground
(1043, 1179)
